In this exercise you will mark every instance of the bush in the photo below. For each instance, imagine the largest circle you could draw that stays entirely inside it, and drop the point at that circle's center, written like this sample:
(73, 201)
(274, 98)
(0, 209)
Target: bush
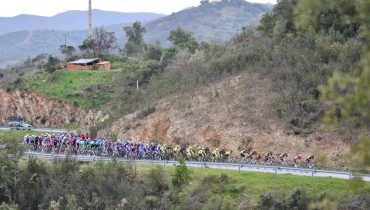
(182, 175)
(298, 200)
(52, 65)
(151, 201)
(168, 55)
(269, 201)
(7, 207)
(146, 112)
(157, 181)
(356, 202)
(154, 52)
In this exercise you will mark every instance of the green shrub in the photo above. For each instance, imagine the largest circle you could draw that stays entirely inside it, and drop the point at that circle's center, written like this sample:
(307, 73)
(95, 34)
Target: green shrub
(182, 175)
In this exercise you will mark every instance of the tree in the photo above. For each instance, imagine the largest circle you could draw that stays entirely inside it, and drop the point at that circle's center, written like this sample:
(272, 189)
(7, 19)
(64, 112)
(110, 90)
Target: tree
(87, 47)
(103, 41)
(154, 52)
(325, 15)
(347, 96)
(53, 64)
(180, 36)
(168, 55)
(68, 51)
(183, 39)
(281, 20)
(9, 170)
(135, 43)
(267, 24)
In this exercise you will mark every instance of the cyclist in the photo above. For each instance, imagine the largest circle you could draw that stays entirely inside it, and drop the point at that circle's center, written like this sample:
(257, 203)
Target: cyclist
(202, 153)
(189, 153)
(310, 161)
(216, 154)
(297, 160)
(283, 160)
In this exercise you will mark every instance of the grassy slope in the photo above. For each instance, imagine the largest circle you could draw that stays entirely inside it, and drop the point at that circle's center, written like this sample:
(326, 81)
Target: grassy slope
(88, 89)
(71, 86)
(251, 185)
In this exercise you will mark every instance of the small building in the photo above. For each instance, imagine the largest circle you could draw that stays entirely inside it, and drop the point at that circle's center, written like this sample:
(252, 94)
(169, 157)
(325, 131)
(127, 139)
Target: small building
(104, 65)
(88, 64)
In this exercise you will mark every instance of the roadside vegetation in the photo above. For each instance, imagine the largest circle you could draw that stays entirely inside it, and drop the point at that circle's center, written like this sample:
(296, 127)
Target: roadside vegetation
(15, 135)
(39, 184)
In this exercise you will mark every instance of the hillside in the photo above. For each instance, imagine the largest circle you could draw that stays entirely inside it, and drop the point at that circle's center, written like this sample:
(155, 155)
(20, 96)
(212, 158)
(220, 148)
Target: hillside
(71, 20)
(235, 113)
(214, 21)
(217, 21)
(265, 89)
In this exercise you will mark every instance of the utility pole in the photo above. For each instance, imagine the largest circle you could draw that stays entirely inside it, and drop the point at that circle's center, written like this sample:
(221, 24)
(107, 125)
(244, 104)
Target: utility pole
(90, 21)
(137, 85)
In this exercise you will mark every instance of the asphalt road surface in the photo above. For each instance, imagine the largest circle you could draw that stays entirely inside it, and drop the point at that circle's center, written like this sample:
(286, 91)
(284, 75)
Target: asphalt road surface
(50, 130)
(239, 167)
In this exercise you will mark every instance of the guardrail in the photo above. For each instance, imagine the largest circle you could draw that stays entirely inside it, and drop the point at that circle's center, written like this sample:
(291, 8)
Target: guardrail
(52, 130)
(230, 166)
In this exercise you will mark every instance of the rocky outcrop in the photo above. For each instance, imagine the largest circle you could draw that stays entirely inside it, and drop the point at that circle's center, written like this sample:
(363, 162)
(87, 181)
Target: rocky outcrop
(44, 112)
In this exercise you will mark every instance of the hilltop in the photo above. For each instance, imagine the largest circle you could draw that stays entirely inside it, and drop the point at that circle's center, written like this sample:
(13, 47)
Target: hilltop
(213, 21)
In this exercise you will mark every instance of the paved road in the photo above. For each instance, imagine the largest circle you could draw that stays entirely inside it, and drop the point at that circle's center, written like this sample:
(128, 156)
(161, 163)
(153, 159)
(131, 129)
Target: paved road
(50, 130)
(239, 167)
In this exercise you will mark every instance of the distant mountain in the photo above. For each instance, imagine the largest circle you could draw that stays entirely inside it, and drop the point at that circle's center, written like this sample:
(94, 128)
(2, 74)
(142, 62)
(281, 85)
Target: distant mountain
(211, 21)
(17, 46)
(71, 20)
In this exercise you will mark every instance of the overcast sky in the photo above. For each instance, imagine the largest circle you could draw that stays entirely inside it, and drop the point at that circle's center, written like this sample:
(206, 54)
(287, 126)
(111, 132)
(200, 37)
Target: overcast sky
(11, 8)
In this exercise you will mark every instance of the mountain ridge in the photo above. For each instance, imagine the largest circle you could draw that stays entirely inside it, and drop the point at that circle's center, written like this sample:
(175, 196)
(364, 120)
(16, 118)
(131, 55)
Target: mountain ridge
(62, 21)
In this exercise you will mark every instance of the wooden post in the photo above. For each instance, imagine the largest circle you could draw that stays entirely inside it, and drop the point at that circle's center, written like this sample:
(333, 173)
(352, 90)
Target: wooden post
(313, 171)
(276, 169)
